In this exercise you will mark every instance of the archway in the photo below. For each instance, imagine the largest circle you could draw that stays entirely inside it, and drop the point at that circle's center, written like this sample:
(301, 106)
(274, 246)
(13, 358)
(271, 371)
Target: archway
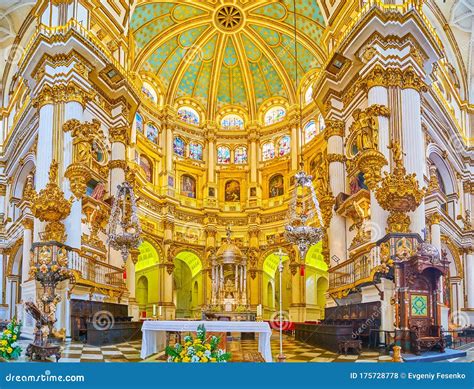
(142, 293)
(316, 272)
(187, 285)
(147, 276)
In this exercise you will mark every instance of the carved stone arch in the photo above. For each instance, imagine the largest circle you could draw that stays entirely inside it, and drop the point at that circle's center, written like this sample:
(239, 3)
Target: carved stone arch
(12, 256)
(288, 250)
(21, 174)
(156, 245)
(455, 253)
(435, 155)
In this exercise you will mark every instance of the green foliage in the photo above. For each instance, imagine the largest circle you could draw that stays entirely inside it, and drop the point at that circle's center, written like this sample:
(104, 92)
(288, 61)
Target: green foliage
(9, 347)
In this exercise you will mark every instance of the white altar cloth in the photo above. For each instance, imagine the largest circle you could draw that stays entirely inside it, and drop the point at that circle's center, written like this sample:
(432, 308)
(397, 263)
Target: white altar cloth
(154, 333)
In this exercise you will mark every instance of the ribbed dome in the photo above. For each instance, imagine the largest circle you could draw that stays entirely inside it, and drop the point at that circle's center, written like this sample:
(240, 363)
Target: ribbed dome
(229, 252)
(222, 54)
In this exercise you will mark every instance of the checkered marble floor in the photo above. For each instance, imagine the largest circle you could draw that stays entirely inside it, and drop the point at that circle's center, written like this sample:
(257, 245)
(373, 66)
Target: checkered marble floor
(294, 351)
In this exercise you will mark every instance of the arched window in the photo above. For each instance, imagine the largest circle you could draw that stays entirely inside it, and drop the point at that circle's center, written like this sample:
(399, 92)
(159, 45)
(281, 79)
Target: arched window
(223, 155)
(310, 131)
(240, 155)
(147, 167)
(188, 186)
(276, 186)
(152, 133)
(268, 151)
(274, 115)
(179, 146)
(195, 151)
(149, 92)
(308, 96)
(188, 115)
(139, 122)
(232, 122)
(321, 123)
(284, 145)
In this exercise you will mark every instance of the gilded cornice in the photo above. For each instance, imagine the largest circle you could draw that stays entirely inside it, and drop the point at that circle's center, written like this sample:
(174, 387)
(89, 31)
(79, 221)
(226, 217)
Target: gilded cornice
(334, 127)
(61, 93)
(117, 164)
(331, 157)
(394, 77)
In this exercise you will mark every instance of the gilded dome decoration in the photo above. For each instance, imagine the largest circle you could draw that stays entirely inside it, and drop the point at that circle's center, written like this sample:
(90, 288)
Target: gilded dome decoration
(229, 252)
(239, 54)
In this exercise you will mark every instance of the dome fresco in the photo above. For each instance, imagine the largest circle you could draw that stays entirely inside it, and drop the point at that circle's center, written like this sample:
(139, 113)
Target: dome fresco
(219, 54)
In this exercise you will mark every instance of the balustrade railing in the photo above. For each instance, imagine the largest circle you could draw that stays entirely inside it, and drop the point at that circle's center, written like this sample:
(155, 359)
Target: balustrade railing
(95, 271)
(354, 271)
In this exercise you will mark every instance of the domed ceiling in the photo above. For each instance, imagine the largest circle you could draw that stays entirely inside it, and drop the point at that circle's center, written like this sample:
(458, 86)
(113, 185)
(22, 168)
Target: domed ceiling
(221, 53)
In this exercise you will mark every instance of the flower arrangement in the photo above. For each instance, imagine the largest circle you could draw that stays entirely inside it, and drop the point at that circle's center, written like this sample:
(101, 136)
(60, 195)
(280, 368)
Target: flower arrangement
(198, 350)
(9, 347)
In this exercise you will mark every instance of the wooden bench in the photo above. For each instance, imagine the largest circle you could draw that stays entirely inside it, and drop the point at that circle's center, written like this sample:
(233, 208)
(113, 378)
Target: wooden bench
(345, 345)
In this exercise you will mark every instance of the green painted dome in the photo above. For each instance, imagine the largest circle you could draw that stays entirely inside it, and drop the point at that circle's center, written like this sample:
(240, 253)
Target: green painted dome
(222, 54)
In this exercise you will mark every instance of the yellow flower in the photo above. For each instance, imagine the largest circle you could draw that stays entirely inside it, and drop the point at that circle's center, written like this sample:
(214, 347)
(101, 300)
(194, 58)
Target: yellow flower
(213, 360)
(197, 341)
(6, 332)
(188, 344)
(9, 350)
(204, 359)
(186, 359)
(14, 337)
(176, 359)
(208, 346)
(199, 353)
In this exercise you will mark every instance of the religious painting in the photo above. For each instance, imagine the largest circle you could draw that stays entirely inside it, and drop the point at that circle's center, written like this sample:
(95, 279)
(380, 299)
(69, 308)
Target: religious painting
(139, 122)
(240, 155)
(232, 190)
(195, 151)
(268, 151)
(284, 145)
(419, 305)
(223, 155)
(171, 181)
(276, 186)
(232, 122)
(179, 146)
(310, 131)
(253, 191)
(212, 192)
(274, 115)
(97, 152)
(152, 133)
(357, 183)
(188, 186)
(188, 115)
(147, 167)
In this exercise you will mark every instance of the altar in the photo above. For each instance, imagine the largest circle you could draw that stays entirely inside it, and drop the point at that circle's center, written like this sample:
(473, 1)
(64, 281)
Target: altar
(154, 333)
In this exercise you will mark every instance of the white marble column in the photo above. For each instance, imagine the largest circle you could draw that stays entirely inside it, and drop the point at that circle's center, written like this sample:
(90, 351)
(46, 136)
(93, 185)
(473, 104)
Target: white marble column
(117, 174)
(337, 178)
(72, 110)
(414, 148)
(379, 95)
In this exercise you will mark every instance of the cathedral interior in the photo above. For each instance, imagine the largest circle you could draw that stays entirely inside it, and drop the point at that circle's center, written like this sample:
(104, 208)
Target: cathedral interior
(209, 111)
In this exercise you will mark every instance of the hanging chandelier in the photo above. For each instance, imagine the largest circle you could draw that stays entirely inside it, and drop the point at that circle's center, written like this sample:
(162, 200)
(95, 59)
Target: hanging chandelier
(124, 229)
(304, 205)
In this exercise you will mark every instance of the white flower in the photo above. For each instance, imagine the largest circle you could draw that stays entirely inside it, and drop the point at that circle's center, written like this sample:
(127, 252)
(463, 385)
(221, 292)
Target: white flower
(207, 353)
(195, 358)
(14, 344)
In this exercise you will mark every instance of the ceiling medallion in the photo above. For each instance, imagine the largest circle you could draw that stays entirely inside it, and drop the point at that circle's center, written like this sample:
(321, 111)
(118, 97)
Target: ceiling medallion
(229, 18)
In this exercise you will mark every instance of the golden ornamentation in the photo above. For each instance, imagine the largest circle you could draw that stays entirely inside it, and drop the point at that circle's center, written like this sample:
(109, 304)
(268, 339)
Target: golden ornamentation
(119, 134)
(27, 223)
(61, 93)
(371, 162)
(118, 164)
(49, 205)
(326, 204)
(3, 189)
(332, 157)
(399, 193)
(433, 185)
(436, 218)
(78, 176)
(334, 127)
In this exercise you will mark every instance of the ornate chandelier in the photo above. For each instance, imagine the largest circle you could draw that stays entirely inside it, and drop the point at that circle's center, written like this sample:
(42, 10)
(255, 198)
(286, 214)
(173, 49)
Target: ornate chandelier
(300, 212)
(124, 229)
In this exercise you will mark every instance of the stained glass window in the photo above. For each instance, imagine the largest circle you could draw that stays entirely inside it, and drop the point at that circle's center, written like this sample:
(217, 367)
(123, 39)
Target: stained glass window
(268, 150)
(240, 155)
(195, 151)
(232, 122)
(274, 115)
(284, 145)
(188, 115)
(308, 97)
(139, 122)
(223, 155)
(152, 133)
(147, 167)
(148, 91)
(179, 146)
(310, 131)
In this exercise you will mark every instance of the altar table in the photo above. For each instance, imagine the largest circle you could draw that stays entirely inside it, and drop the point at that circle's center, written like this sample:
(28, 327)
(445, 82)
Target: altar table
(154, 333)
